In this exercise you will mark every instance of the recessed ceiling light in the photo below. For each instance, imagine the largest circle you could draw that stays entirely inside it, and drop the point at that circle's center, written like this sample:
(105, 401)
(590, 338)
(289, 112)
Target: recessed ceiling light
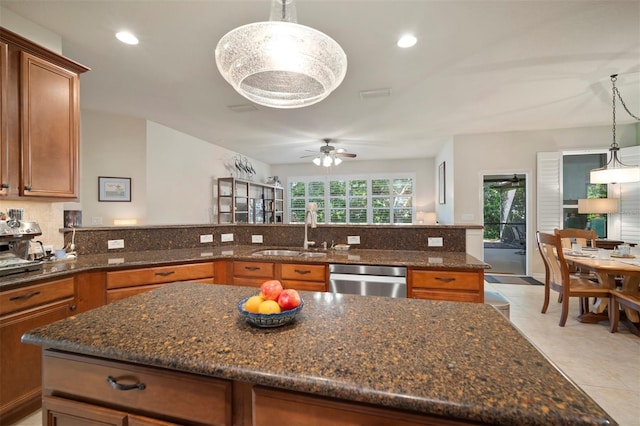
(127, 37)
(407, 40)
(375, 93)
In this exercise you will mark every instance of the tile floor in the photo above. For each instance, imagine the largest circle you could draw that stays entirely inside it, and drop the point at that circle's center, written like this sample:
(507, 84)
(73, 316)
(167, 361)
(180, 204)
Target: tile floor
(576, 348)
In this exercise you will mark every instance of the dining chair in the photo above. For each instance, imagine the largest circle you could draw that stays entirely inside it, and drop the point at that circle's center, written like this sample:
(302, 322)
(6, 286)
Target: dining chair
(558, 277)
(626, 299)
(578, 236)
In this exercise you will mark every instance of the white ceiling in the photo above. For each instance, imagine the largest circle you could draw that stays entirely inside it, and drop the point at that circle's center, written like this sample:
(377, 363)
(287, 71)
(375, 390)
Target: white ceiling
(479, 66)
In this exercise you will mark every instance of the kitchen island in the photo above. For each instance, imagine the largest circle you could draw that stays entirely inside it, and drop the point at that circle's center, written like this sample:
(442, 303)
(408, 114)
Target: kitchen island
(393, 361)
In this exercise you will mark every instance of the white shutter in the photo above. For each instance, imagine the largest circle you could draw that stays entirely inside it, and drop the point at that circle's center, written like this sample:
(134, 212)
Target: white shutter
(549, 196)
(630, 199)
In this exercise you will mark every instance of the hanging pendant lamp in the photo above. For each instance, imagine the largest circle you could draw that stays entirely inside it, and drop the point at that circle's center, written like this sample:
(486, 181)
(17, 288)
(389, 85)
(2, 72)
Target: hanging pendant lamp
(280, 63)
(615, 171)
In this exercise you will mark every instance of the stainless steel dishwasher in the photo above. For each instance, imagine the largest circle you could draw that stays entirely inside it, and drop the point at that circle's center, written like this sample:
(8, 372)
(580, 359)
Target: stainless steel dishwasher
(368, 280)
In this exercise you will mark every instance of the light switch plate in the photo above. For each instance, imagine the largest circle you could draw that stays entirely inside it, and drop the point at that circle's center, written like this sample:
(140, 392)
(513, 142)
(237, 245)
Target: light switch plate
(353, 239)
(434, 242)
(225, 238)
(208, 238)
(115, 244)
(256, 239)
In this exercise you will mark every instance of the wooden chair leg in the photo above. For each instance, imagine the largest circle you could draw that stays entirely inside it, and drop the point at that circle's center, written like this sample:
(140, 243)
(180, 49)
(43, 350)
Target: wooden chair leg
(545, 304)
(559, 297)
(565, 311)
(614, 314)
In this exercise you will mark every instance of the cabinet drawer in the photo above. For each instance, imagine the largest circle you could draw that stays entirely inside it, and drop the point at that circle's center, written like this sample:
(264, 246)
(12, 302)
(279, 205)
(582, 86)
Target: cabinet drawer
(305, 285)
(27, 297)
(446, 280)
(449, 295)
(303, 272)
(166, 394)
(162, 274)
(253, 269)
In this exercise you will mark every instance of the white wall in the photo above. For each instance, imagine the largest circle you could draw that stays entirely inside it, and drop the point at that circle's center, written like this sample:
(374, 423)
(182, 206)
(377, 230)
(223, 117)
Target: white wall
(30, 30)
(516, 151)
(446, 211)
(181, 176)
(422, 167)
(113, 146)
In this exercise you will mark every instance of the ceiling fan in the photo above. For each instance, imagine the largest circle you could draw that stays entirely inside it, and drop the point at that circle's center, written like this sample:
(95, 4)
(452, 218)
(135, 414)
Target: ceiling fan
(513, 182)
(329, 155)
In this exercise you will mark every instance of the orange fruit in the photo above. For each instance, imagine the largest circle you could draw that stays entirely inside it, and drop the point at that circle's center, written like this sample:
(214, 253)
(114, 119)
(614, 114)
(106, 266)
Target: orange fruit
(269, 307)
(252, 304)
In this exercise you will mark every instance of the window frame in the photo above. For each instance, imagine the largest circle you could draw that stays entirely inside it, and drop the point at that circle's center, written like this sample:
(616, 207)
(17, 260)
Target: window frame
(369, 178)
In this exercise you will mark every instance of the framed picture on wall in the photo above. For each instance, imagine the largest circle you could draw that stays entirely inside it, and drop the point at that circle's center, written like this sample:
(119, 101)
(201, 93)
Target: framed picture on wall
(442, 184)
(114, 189)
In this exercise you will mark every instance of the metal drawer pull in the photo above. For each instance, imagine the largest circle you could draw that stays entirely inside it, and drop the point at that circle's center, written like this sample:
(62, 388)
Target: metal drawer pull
(119, 386)
(445, 280)
(252, 268)
(25, 296)
(164, 274)
(302, 271)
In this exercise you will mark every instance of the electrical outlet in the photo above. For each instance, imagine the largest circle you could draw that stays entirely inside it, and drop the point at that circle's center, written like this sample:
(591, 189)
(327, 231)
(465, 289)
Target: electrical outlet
(256, 239)
(225, 238)
(353, 239)
(96, 220)
(434, 242)
(208, 238)
(115, 244)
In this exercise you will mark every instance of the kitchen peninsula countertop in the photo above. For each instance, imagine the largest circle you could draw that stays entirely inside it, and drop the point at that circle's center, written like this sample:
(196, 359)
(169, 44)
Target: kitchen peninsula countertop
(456, 360)
(61, 268)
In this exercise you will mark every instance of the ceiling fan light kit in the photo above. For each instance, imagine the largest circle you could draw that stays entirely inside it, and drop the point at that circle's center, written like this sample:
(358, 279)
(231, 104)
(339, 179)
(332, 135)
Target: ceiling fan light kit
(330, 156)
(280, 63)
(615, 171)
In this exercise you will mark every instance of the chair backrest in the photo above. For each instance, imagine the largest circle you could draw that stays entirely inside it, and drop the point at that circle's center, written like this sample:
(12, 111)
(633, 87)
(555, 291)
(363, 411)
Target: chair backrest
(554, 264)
(579, 236)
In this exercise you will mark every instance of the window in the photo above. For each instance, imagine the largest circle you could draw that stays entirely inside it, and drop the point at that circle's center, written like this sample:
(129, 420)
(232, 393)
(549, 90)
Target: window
(354, 199)
(575, 185)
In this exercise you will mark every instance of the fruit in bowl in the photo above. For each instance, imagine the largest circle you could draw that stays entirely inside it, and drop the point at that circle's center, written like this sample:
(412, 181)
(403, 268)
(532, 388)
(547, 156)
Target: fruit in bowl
(264, 311)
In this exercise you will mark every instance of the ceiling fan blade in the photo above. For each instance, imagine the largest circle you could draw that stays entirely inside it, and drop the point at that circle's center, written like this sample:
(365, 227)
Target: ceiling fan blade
(345, 154)
(309, 156)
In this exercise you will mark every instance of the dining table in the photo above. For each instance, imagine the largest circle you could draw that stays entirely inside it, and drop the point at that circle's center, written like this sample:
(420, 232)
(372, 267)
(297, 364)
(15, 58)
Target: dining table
(607, 269)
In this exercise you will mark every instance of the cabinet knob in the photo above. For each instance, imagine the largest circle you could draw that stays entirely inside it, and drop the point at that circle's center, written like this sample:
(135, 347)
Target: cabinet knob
(73, 308)
(27, 187)
(4, 185)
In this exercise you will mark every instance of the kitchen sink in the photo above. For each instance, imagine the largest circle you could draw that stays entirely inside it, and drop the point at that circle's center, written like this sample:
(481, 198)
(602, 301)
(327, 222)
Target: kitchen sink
(289, 253)
(277, 253)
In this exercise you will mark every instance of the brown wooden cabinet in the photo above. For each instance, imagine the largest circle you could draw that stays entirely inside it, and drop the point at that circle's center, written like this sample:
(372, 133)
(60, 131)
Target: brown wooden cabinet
(4, 147)
(299, 276)
(41, 121)
(79, 390)
(22, 310)
(457, 286)
(128, 282)
(168, 396)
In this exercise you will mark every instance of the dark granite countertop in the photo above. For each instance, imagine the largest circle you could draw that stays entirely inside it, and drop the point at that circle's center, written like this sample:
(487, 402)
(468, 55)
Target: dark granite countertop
(457, 360)
(59, 269)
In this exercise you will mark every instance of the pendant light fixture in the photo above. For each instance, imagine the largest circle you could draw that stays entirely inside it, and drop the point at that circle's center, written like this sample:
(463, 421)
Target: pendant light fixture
(615, 171)
(280, 63)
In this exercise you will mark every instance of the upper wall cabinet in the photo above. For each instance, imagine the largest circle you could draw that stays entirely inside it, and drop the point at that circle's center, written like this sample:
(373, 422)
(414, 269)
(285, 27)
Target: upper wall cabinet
(40, 98)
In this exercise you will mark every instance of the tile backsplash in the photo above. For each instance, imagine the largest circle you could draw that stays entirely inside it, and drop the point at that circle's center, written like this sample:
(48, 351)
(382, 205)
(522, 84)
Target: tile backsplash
(48, 215)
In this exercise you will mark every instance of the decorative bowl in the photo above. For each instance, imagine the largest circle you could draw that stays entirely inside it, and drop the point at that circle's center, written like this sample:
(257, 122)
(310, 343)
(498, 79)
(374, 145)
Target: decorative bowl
(269, 320)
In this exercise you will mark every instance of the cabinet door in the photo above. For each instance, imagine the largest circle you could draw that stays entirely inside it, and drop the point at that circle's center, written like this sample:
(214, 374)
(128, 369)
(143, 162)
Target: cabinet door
(4, 139)
(50, 125)
(20, 363)
(63, 412)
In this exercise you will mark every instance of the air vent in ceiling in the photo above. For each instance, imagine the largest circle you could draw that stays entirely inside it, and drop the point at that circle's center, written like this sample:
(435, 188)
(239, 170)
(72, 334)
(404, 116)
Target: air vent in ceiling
(375, 93)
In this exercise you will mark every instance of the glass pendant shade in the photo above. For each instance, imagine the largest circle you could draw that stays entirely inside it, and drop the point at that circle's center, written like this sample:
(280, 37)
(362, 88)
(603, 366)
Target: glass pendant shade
(280, 63)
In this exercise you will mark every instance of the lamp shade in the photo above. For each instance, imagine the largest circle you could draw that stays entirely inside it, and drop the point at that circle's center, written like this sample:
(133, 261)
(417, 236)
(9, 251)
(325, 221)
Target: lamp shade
(279, 63)
(624, 174)
(597, 205)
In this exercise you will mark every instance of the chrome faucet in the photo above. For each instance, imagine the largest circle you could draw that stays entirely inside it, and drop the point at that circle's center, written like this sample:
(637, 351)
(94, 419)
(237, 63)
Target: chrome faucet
(308, 214)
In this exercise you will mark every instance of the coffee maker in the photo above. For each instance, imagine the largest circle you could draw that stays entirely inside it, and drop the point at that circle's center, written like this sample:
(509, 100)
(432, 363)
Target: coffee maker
(15, 238)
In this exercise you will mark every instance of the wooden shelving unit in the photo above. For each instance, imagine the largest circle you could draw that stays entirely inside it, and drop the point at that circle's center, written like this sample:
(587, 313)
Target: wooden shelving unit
(243, 201)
